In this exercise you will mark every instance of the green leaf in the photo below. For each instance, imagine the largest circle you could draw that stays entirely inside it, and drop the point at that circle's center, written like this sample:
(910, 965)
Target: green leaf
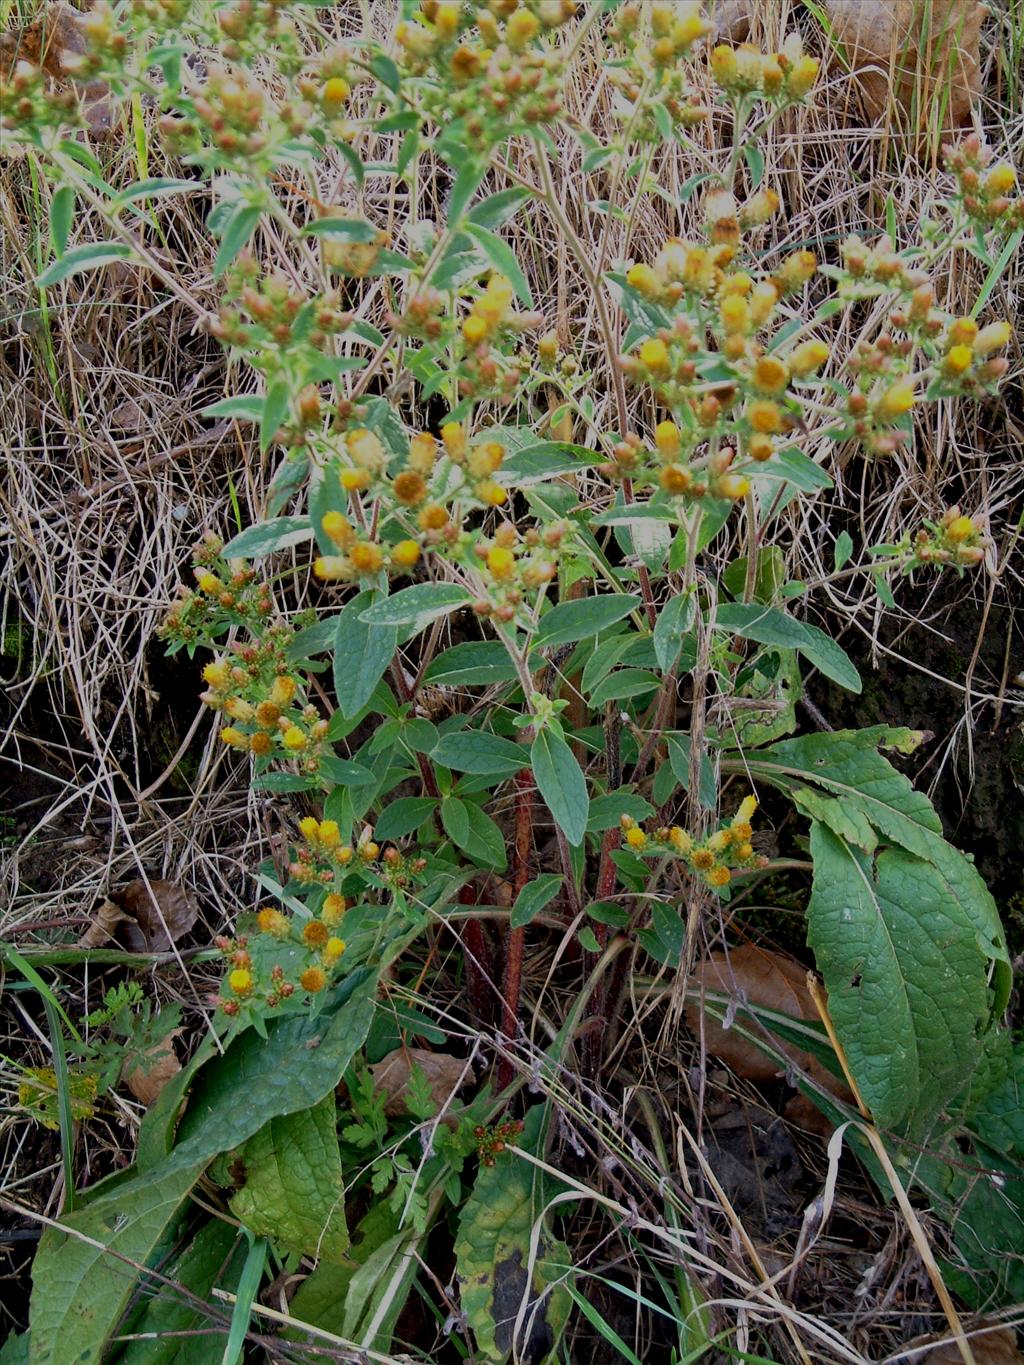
(770, 626)
(79, 1290)
(403, 816)
(455, 819)
(362, 653)
(467, 181)
(675, 620)
(157, 187)
(476, 751)
(503, 1258)
(580, 618)
(847, 765)
(236, 232)
(417, 606)
(605, 811)
(534, 897)
(843, 550)
(80, 259)
(622, 684)
(904, 973)
(320, 1298)
(496, 209)
(248, 406)
(344, 229)
(170, 1317)
(561, 783)
(267, 536)
(293, 1190)
(679, 760)
(275, 410)
(502, 257)
(477, 663)
(62, 212)
(241, 1313)
(485, 843)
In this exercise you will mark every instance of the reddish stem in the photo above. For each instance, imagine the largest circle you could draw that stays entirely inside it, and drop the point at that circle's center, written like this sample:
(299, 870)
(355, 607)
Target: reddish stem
(479, 967)
(593, 1039)
(511, 985)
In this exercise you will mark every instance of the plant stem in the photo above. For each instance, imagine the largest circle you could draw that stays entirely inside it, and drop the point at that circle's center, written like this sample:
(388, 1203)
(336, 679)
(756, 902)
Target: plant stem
(512, 980)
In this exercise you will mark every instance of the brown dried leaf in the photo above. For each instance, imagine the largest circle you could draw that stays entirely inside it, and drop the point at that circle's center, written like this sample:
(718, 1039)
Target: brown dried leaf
(991, 1343)
(915, 51)
(444, 1073)
(140, 922)
(104, 926)
(146, 1073)
(774, 982)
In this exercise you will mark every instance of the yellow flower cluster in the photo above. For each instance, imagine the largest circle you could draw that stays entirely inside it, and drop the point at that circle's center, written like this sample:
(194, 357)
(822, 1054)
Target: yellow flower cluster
(714, 858)
(514, 565)
(956, 539)
(967, 360)
(784, 77)
(262, 980)
(487, 369)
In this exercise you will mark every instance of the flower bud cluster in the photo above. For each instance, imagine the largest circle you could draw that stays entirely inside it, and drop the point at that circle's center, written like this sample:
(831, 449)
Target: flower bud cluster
(966, 364)
(260, 975)
(514, 567)
(488, 367)
(501, 79)
(29, 104)
(990, 194)
(780, 78)
(491, 1142)
(653, 72)
(955, 539)
(714, 858)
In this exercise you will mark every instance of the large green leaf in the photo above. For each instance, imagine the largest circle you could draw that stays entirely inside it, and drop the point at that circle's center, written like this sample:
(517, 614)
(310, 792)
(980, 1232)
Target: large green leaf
(582, 617)
(511, 1282)
(417, 606)
(561, 782)
(164, 1333)
(480, 752)
(770, 626)
(292, 1190)
(846, 764)
(904, 973)
(80, 1290)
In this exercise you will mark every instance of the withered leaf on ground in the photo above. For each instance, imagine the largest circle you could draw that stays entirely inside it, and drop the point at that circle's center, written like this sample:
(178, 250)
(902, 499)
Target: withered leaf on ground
(141, 922)
(763, 978)
(992, 1344)
(916, 52)
(146, 1073)
(444, 1075)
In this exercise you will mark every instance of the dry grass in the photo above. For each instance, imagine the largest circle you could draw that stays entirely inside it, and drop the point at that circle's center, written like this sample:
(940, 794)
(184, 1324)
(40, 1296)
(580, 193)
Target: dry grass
(109, 476)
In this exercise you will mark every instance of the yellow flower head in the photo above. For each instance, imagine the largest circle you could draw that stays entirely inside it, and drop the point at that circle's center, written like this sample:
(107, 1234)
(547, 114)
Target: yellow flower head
(273, 922)
(405, 554)
(962, 332)
(958, 360)
(897, 400)
(330, 567)
(667, 440)
(770, 374)
(501, 562)
(218, 674)
(491, 493)
(1001, 179)
(354, 479)
(680, 840)
(474, 329)
(313, 980)
(643, 279)
(735, 314)
(992, 338)
(335, 92)
(521, 28)
(807, 358)
(240, 981)
(719, 876)
(329, 834)
(454, 438)
(745, 811)
(308, 827)
(208, 582)
(732, 486)
(366, 557)
(960, 529)
(283, 690)
(233, 738)
(293, 739)
(654, 355)
(333, 910)
(635, 837)
(314, 933)
(333, 949)
(765, 417)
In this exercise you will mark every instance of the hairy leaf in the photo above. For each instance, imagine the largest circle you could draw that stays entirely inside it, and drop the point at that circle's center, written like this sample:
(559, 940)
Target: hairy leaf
(292, 1188)
(561, 782)
(904, 973)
